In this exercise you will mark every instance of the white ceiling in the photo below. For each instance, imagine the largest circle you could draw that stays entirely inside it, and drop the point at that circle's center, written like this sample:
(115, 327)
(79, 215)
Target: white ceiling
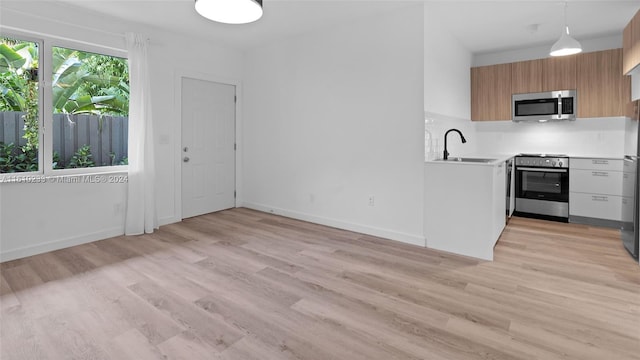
(488, 26)
(481, 26)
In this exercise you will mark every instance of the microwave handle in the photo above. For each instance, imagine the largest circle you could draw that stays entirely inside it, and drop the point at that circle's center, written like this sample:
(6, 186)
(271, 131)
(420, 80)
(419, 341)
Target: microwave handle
(560, 106)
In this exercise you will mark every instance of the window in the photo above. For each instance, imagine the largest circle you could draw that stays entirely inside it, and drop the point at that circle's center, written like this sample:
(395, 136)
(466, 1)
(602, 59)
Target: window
(85, 109)
(90, 94)
(19, 106)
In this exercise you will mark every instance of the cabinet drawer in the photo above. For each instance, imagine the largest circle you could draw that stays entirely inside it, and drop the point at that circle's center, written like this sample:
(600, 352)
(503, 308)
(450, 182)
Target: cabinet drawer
(607, 207)
(596, 164)
(596, 181)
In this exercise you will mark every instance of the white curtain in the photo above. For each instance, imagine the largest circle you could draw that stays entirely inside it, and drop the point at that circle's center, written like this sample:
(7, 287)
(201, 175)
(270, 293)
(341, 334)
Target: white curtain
(141, 214)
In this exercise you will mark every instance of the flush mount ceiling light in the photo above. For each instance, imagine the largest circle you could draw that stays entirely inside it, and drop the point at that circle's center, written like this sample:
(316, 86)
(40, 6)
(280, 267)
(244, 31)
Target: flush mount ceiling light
(566, 45)
(230, 11)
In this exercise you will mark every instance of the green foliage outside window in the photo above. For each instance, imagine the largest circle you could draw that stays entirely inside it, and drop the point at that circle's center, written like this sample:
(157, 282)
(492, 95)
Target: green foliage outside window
(19, 92)
(82, 158)
(81, 83)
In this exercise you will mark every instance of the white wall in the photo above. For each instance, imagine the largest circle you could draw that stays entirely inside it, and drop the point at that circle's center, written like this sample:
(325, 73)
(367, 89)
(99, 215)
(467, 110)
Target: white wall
(446, 70)
(447, 88)
(37, 218)
(334, 117)
(44, 217)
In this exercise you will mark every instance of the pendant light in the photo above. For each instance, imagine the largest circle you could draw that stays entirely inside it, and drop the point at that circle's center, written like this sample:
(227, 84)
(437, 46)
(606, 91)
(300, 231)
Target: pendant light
(230, 11)
(566, 45)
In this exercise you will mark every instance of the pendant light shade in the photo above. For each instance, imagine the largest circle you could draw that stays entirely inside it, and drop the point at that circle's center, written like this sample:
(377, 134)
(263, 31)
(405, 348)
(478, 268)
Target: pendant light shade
(230, 11)
(566, 45)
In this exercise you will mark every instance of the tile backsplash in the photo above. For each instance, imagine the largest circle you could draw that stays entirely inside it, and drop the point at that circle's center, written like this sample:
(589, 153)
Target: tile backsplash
(602, 137)
(436, 126)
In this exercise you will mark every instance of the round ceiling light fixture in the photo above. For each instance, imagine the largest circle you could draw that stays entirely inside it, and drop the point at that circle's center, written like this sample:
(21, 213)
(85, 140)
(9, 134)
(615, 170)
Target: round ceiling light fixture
(230, 11)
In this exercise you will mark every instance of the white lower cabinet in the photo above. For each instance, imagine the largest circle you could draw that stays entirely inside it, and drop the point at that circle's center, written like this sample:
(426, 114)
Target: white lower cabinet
(596, 164)
(595, 182)
(598, 206)
(596, 188)
(468, 219)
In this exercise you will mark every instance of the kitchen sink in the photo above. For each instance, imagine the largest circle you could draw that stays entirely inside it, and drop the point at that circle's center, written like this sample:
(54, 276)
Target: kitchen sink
(467, 159)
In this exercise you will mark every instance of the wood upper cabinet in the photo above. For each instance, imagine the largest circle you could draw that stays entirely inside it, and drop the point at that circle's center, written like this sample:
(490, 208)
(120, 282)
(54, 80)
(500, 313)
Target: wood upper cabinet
(602, 89)
(556, 73)
(597, 76)
(527, 76)
(631, 44)
(559, 73)
(491, 92)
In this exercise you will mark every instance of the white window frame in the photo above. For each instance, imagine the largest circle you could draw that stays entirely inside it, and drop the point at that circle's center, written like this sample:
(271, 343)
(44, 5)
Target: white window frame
(45, 104)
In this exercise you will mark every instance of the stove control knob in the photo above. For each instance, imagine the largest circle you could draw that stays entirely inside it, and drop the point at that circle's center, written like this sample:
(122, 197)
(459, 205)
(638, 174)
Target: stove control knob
(559, 163)
(553, 163)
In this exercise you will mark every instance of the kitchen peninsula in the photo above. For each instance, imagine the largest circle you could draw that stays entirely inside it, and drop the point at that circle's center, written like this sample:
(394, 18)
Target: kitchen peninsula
(465, 205)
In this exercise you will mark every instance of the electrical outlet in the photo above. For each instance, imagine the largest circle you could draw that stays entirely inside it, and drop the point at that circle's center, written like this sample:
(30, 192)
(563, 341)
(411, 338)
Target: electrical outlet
(117, 208)
(372, 200)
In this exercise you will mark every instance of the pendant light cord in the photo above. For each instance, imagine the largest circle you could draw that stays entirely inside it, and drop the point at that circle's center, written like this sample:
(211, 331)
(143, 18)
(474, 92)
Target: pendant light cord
(566, 28)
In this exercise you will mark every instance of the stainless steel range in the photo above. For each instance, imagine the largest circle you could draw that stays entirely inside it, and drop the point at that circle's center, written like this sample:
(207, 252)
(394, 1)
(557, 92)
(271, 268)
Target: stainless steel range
(542, 186)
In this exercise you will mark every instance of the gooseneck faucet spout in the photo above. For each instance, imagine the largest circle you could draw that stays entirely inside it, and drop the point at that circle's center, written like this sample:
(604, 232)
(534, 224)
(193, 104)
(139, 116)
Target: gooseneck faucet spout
(446, 153)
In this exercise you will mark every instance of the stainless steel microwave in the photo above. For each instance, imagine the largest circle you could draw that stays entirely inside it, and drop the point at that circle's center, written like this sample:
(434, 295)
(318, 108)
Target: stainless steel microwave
(544, 106)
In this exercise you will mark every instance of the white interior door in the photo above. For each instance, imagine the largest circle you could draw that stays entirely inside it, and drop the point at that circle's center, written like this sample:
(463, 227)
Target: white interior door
(208, 147)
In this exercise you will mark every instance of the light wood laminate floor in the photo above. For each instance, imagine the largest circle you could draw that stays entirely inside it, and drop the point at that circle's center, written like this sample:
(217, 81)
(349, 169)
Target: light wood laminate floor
(241, 284)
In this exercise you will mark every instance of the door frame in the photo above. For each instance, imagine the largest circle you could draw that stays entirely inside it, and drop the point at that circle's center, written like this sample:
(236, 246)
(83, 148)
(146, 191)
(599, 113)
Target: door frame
(177, 136)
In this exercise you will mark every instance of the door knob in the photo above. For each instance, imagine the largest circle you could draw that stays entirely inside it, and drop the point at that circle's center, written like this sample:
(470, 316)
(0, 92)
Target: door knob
(186, 159)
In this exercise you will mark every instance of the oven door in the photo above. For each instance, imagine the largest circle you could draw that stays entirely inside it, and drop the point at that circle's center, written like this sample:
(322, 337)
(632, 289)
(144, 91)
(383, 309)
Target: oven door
(526, 108)
(547, 184)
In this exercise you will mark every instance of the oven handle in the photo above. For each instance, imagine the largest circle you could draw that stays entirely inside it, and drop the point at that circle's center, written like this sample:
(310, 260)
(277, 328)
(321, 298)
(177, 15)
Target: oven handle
(542, 169)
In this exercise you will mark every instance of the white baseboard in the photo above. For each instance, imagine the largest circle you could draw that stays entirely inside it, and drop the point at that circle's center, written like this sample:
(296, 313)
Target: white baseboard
(364, 229)
(59, 244)
(168, 220)
(118, 231)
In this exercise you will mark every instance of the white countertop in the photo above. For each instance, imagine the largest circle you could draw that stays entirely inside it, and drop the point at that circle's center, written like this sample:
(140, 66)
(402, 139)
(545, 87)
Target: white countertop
(498, 159)
(596, 157)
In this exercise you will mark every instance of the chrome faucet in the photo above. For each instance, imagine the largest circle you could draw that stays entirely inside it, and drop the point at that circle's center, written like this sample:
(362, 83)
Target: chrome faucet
(446, 153)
